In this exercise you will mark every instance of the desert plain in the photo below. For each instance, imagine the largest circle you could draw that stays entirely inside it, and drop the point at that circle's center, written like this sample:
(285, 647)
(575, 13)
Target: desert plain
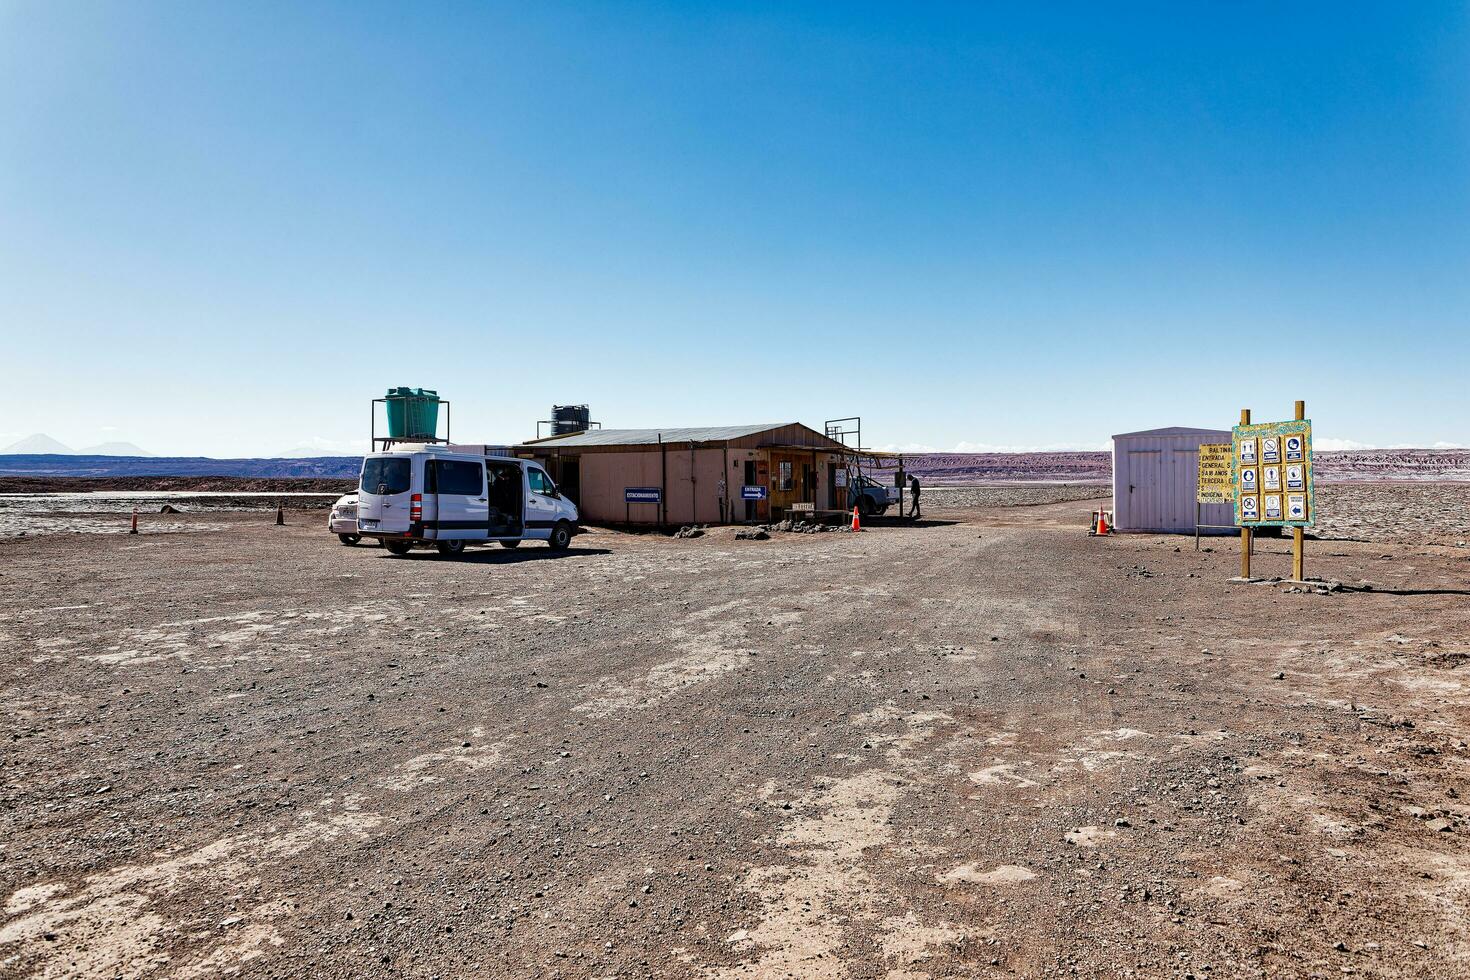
(980, 745)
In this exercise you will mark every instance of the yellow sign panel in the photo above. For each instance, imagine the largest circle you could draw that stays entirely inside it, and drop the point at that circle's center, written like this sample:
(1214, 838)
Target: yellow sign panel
(1214, 475)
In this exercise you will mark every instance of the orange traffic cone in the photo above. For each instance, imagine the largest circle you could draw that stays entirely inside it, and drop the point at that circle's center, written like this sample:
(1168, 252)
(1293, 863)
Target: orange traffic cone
(857, 525)
(1102, 522)
(135, 522)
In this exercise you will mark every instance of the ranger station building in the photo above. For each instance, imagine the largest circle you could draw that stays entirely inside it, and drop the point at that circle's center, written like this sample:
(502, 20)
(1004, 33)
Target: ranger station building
(713, 475)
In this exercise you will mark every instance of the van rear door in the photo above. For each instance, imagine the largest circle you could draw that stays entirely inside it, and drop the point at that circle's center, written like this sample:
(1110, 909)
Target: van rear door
(383, 494)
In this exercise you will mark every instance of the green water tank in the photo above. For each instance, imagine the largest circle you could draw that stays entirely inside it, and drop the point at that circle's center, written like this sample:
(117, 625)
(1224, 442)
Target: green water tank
(413, 413)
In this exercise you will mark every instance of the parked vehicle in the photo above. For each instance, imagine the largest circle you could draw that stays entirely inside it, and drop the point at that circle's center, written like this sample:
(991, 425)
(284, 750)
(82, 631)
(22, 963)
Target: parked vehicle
(343, 519)
(870, 497)
(419, 495)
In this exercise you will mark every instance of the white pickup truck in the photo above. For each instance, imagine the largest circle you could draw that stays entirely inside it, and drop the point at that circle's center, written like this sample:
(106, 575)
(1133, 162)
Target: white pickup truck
(870, 497)
(419, 494)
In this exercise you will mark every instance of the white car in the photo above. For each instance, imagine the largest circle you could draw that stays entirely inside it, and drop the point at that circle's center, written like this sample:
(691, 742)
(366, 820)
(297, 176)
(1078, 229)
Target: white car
(449, 497)
(343, 519)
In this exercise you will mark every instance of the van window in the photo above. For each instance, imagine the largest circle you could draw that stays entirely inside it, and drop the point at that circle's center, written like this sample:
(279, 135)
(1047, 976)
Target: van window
(456, 476)
(385, 474)
(540, 482)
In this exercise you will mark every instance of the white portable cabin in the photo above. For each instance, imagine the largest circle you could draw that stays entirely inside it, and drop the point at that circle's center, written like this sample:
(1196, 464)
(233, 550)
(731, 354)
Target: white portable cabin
(1155, 479)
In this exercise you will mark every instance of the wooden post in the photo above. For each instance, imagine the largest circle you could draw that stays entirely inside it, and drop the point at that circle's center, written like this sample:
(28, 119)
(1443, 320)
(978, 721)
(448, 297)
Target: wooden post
(1245, 532)
(1298, 535)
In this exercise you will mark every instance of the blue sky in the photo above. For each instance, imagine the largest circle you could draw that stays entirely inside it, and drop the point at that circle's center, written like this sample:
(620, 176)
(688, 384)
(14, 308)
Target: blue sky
(224, 227)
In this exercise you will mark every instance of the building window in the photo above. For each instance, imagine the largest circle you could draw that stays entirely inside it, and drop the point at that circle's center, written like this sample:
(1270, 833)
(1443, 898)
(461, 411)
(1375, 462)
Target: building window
(786, 474)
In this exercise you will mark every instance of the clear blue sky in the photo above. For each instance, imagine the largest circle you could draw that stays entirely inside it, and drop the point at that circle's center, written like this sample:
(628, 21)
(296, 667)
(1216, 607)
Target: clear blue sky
(225, 226)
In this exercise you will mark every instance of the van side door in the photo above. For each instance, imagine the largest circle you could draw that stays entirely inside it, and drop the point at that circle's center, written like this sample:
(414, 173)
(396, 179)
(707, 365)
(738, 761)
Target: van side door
(458, 486)
(541, 509)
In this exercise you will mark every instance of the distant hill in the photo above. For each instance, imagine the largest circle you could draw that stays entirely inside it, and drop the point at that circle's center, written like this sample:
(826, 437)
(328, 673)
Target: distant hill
(39, 443)
(58, 464)
(114, 449)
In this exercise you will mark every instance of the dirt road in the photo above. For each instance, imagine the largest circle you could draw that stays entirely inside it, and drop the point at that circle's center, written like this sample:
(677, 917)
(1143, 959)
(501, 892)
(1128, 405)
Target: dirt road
(992, 747)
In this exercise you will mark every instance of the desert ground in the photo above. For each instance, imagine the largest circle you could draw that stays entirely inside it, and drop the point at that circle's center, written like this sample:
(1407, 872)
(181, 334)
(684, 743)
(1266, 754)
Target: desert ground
(985, 745)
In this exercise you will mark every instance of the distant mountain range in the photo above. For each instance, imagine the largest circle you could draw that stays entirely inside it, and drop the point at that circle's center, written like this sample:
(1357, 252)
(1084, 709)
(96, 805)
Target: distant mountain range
(933, 468)
(42, 444)
(77, 465)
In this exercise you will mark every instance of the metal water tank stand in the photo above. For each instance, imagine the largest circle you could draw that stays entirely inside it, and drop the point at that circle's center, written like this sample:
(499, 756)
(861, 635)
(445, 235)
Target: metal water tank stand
(381, 444)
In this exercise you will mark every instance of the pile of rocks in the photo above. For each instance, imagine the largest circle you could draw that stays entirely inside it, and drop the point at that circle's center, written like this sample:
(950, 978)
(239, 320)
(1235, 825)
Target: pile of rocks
(804, 527)
(763, 532)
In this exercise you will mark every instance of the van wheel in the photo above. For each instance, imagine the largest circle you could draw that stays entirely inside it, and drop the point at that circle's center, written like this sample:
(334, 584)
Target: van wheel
(451, 549)
(510, 544)
(349, 539)
(561, 536)
(397, 547)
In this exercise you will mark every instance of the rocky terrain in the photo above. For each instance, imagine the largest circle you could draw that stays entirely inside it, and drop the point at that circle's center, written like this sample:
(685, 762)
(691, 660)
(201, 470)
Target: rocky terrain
(173, 484)
(1331, 467)
(74, 466)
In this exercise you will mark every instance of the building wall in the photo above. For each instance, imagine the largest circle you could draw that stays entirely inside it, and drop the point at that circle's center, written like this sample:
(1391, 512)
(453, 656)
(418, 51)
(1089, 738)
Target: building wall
(605, 475)
(1155, 478)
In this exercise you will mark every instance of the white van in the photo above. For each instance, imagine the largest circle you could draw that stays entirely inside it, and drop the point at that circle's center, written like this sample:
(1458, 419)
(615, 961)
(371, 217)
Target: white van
(421, 494)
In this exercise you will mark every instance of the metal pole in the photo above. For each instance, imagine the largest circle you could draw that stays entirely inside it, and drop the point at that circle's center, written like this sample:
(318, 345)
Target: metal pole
(663, 489)
(727, 509)
(1298, 535)
(1245, 532)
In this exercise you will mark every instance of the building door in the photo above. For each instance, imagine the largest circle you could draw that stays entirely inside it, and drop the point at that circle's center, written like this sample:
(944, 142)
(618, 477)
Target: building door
(1148, 492)
(569, 480)
(750, 505)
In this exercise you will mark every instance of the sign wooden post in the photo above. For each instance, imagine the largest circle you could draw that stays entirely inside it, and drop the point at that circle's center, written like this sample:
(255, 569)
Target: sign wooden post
(1245, 532)
(1298, 534)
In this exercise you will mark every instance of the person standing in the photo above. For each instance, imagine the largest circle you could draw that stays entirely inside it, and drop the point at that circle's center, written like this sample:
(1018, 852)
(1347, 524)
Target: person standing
(914, 513)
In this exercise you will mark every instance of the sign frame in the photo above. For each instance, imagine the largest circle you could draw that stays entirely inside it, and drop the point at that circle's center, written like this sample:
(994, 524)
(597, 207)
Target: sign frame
(643, 495)
(1254, 436)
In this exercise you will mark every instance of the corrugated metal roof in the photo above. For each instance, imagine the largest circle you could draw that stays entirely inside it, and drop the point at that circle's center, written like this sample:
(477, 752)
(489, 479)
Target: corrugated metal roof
(1174, 430)
(645, 437)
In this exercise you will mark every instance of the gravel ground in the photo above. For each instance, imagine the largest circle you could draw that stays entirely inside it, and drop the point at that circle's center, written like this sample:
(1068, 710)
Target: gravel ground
(26, 515)
(1407, 512)
(1011, 495)
(983, 746)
